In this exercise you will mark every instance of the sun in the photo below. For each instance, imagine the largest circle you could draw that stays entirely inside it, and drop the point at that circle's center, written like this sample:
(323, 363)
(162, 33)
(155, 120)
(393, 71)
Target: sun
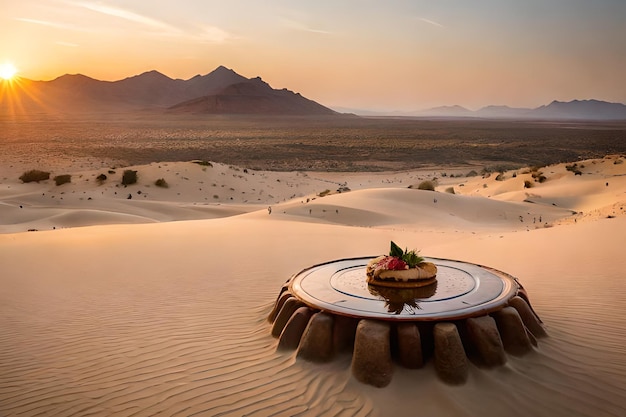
(7, 71)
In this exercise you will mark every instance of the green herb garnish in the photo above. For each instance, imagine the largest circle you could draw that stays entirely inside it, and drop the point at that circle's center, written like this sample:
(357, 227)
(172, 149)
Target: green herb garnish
(410, 257)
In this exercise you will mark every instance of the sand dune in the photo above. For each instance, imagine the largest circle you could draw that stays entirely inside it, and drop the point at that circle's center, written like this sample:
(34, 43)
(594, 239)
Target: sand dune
(169, 317)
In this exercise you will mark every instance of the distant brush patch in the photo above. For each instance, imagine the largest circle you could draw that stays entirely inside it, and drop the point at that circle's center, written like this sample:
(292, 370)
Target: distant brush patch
(426, 185)
(161, 183)
(129, 177)
(101, 178)
(574, 168)
(538, 176)
(34, 175)
(62, 179)
(324, 193)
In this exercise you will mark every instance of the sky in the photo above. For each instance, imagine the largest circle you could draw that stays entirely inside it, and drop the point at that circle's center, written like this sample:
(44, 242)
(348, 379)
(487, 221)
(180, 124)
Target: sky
(391, 55)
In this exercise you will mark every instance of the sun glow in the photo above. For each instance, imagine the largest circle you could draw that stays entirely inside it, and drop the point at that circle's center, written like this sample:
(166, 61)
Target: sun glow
(7, 71)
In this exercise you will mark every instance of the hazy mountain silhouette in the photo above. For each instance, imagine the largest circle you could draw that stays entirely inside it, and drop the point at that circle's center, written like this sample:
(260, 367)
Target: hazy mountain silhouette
(448, 111)
(252, 96)
(582, 109)
(557, 110)
(153, 91)
(223, 91)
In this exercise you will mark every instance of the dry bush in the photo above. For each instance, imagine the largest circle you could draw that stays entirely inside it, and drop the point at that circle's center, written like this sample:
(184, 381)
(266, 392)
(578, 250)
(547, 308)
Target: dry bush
(324, 193)
(34, 175)
(426, 185)
(62, 179)
(161, 183)
(129, 177)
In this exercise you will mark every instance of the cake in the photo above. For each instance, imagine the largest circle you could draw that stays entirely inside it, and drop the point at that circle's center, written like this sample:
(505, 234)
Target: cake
(401, 269)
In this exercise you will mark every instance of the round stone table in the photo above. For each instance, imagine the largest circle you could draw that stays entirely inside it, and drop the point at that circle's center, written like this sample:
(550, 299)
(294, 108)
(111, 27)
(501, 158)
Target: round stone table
(462, 290)
(471, 313)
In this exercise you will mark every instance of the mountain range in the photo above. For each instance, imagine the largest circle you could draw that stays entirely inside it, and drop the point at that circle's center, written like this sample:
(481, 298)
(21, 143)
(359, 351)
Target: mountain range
(223, 91)
(556, 110)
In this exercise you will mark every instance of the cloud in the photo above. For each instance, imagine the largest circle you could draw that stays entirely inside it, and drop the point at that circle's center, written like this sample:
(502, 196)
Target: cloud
(44, 23)
(210, 34)
(431, 22)
(295, 25)
(122, 14)
(213, 34)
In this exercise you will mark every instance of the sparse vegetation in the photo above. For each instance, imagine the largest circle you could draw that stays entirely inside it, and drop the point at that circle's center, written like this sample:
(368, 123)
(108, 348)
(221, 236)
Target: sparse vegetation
(472, 173)
(324, 193)
(574, 168)
(426, 185)
(101, 178)
(34, 175)
(62, 179)
(161, 183)
(129, 177)
(528, 184)
(538, 176)
(337, 144)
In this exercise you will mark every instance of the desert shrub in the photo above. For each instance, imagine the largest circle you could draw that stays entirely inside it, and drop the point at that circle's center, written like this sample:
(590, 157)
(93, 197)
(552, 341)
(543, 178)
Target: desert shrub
(343, 189)
(618, 162)
(574, 168)
(528, 184)
(129, 177)
(450, 190)
(34, 175)
(500, 177)
(538, 176)
(101, 178)
(161, 183)
(62, 179)
(472, 173)
(324, 193)
(426, 185)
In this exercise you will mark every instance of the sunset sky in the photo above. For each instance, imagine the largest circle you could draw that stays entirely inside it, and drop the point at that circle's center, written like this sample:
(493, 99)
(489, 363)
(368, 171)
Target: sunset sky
(361, 54)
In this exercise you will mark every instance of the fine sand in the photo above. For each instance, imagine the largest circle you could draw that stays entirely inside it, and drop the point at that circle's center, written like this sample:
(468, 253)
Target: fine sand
(157, 304)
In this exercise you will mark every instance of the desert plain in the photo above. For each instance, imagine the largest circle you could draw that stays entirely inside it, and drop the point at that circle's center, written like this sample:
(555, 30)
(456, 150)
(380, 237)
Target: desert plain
(142, 299)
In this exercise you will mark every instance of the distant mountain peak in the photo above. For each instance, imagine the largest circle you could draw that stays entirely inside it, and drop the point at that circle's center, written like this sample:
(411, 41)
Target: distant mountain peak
(149, 75)
(252, 96)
